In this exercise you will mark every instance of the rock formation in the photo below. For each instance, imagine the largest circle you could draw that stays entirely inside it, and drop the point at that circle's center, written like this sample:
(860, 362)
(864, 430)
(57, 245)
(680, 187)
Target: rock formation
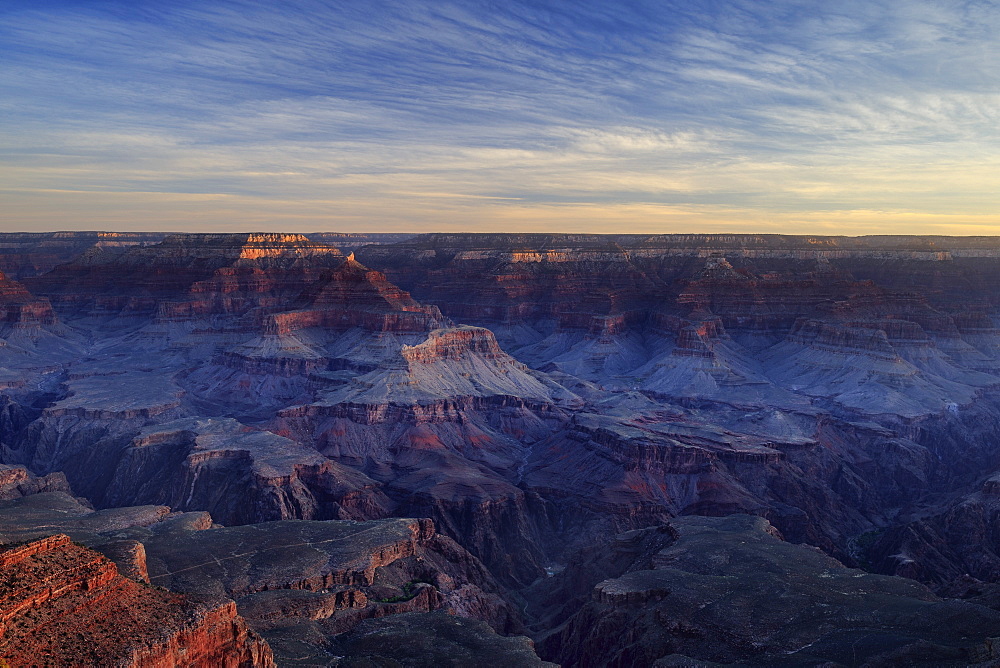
(63, 604)
(18, 481)
(27, 254)
(238, 474)
(297, 583)
(709, 591)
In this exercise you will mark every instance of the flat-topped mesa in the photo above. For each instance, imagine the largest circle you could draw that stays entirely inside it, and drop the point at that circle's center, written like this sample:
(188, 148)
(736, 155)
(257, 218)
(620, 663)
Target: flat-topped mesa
(453, 370)
(316, 556)
(453, 344)
(122, 396)
(63, 604)
(274, 245)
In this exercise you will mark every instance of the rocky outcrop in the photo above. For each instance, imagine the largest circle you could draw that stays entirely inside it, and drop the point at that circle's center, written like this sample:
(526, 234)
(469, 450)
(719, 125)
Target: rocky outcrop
(19, 308)
(39, 515)
(63, 604)
(345, 318)
(239, 475)
(300, 580)
(84, 433)
(354, 296)
(18, 481)
(269, 271)
(451, 460)
(296, 582)
(729, 590)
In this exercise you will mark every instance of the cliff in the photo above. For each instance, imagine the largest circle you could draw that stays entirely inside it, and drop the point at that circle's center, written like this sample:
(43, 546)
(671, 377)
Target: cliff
(721, 590)
(239, 475)
(184, 276)
(27, 254)
(300, 582)
(62, 604)
(19, 308)
(18, 481)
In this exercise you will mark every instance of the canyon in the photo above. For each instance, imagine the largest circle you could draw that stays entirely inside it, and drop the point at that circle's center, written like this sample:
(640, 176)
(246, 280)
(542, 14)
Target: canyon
(502, 449)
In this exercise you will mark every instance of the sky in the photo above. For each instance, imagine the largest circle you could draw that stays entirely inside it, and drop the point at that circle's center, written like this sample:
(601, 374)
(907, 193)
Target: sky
(848, 117)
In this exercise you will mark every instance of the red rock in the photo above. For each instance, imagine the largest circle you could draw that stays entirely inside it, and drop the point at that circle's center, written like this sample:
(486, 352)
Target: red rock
(355, 296)
(63, 604)
(19, 308)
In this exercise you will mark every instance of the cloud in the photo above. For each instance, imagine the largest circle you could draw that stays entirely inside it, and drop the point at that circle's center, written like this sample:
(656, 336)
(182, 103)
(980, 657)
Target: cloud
(413, 112)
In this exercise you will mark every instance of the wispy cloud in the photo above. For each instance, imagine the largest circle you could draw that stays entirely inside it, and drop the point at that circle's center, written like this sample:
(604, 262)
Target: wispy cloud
(426, 115)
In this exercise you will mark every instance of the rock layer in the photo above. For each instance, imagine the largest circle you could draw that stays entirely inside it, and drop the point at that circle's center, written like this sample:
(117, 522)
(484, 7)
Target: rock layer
(62, 604)
(727, 590)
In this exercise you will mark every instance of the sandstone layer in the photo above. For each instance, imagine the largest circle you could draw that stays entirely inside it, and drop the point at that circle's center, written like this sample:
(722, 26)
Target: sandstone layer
(62, 604)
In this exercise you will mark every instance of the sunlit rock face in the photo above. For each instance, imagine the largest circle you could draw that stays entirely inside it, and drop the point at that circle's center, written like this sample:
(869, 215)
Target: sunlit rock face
(66, 605)
(518, 399)
(299, 584)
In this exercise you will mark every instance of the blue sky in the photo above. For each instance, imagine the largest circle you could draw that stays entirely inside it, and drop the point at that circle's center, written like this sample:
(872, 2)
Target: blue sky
(810, 117)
